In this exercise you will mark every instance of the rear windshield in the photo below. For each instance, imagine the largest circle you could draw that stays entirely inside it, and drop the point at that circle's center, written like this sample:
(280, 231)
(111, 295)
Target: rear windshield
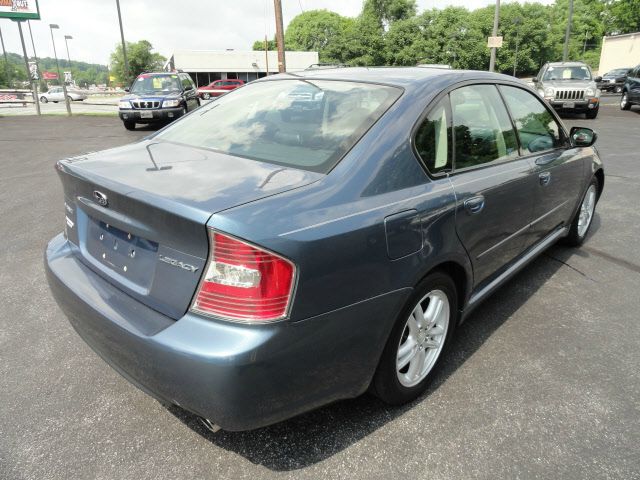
(306, 124)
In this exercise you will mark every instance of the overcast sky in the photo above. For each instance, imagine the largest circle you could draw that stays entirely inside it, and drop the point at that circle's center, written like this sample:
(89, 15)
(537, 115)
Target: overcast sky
(169, 24)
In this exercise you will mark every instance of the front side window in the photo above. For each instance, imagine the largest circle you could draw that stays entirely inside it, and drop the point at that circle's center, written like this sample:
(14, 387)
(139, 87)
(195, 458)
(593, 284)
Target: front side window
(536, 126)
(434, 137)
(482, 129)
(306, 124)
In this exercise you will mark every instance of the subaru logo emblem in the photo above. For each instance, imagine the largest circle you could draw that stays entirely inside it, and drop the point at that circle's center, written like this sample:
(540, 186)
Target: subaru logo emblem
(101, 198)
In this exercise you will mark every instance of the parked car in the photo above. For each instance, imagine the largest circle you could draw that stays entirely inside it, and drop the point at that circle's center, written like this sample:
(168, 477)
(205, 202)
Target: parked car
(158, 98)
(613, 80)
(569, 87)
(56, 94)
(218, 88)
(631, 90)
(250, 265)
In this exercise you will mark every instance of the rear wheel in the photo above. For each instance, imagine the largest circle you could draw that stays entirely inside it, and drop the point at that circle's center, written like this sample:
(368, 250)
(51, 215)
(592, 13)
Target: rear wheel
(129, 125)
(584, 216)
(618, 89)
(417, 341)
(70, 98)
(624, 102)
(591, 114)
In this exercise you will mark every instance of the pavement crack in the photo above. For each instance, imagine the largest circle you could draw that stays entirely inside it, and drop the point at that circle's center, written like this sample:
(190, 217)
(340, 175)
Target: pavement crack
(621, 262)
(570, 266)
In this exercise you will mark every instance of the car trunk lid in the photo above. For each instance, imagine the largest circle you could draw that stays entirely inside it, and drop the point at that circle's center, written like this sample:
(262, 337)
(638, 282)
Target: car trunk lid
(138, 213)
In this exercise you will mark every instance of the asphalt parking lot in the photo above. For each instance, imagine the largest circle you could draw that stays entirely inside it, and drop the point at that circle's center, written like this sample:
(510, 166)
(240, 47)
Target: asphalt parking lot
(541, 382)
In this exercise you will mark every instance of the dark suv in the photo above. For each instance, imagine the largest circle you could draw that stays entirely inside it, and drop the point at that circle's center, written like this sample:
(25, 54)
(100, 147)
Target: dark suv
(631, 89)
(158, 98)
(613, 81)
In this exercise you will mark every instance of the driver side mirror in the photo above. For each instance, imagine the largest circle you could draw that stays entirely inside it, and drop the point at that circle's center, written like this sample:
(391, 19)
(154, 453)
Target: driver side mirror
(582, 137)
(534, 79)
(598, 79)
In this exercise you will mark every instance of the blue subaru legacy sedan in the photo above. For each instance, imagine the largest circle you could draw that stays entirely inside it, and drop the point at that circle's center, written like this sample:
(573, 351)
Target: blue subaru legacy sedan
(312, 236)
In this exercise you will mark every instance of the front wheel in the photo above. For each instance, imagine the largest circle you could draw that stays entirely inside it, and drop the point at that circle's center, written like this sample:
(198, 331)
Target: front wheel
(129, 125)
(618, 89)
(624, 102)
(584, 216)
(417, 341)
(591, 114)
(44, 99)
(206, 96)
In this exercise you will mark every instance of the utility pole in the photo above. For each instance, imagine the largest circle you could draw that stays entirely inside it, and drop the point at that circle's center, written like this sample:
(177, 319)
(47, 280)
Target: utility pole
(34, 90)
(33, 45)
(266, 53)
(565, 53)
(496, 21)
(53, 26)
(282, 66)
(124, 46)
(6, 62)
(516, 22)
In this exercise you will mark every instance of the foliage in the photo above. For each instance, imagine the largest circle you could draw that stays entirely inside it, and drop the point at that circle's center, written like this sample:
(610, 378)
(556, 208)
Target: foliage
(622, 16)
(319, 30)
(141, 59)
(84, 74)
(391, 32)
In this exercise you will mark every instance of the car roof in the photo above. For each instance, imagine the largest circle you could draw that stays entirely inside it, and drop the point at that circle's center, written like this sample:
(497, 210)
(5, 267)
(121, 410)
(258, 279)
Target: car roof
(405, 77)
(567, 64)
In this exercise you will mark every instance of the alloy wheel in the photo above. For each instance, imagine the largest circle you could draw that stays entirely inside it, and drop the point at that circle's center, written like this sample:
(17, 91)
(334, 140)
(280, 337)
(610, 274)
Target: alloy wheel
(423, 338)
(623, 100)
(586, 211)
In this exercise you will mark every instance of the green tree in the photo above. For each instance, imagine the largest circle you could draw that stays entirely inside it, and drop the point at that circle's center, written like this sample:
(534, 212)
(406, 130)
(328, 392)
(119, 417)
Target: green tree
(271, 45)
(141, 59)
(622, 16)
(321, 31)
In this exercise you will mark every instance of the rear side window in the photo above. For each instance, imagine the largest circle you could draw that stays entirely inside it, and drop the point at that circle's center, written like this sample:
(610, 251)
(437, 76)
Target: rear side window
(482, 129)
(433, 139)
(536, 127)
(306, 124)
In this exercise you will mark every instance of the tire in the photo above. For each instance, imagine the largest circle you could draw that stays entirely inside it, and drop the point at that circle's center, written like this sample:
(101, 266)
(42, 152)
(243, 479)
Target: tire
(618, 89)
(394, 385)
(591, 114)
(70, 98)
(129, 125)
(624, 101)
(578, 231)
(43, 99)
(206, 96)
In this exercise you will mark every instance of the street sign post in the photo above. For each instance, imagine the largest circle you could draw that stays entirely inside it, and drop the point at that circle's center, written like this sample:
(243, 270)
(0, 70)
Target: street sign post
(20, 9)
(494, 42)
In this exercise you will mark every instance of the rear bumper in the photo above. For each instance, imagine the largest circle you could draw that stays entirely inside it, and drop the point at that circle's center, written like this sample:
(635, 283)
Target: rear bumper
(239, 376)
(159, 115)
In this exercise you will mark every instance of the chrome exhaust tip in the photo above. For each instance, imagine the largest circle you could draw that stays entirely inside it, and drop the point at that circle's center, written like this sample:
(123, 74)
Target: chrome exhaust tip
(209, 425)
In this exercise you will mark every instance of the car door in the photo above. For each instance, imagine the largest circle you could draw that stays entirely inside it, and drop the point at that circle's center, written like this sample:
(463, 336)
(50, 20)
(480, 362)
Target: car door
(633, 81)
(559, 170)
(190, 93)
(494, 186)
(56, 95)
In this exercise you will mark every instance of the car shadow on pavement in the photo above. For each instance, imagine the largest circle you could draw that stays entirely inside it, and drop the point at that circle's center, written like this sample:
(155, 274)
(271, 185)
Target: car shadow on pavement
(317, 435)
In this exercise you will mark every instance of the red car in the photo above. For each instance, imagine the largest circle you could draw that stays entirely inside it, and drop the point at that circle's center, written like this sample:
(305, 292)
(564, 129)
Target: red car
(219, 87)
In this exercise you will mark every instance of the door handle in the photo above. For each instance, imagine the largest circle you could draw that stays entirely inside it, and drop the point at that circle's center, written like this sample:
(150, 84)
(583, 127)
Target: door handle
(545, 178)
(474, 204)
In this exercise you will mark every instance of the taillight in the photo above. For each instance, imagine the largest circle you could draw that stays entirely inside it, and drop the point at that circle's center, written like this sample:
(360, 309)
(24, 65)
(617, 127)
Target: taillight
(243, 282)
